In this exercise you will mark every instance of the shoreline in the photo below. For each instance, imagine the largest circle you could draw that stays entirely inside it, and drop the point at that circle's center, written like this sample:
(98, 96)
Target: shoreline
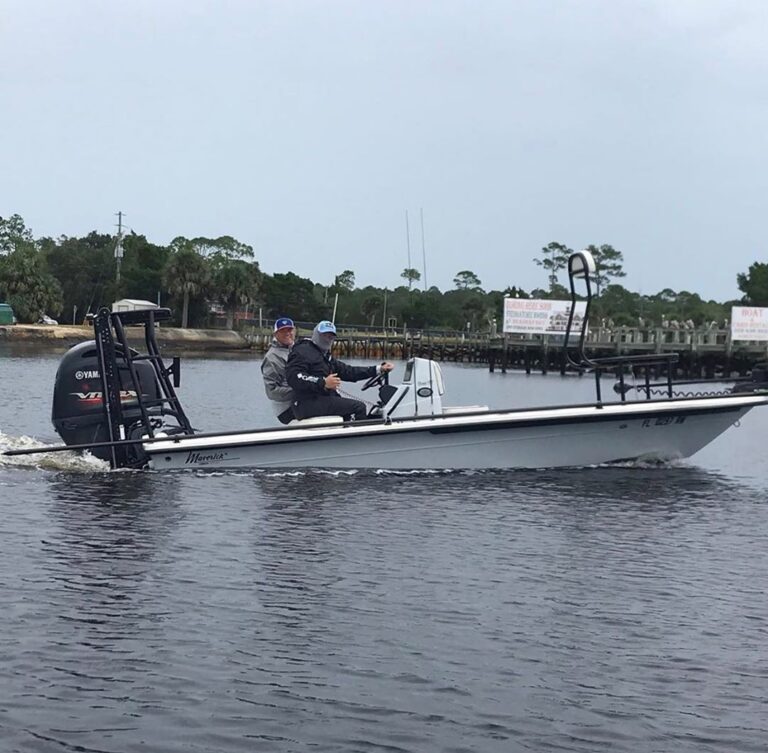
(168, 338)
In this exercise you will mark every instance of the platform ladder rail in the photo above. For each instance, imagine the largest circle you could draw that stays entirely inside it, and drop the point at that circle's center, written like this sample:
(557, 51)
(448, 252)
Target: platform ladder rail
(169, 400)
(110, 386)
(164, 373)
(581, 266)
(110, 327)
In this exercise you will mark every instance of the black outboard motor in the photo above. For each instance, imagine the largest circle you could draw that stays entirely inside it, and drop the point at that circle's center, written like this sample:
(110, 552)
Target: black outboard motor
(78, 406)
(108, 398)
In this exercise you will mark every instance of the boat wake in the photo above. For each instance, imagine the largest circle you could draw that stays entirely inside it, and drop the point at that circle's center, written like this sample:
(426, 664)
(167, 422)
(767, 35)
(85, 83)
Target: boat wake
(358, 472)
(333, 473)
(49, 461)
(646, 463)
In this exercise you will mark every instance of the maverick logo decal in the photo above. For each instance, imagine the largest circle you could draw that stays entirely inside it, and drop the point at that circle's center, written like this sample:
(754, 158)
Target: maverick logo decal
(203, 458)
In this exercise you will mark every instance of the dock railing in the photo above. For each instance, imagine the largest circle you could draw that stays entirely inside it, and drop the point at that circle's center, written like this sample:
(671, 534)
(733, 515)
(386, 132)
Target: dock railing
(479, 346)
(651, 339)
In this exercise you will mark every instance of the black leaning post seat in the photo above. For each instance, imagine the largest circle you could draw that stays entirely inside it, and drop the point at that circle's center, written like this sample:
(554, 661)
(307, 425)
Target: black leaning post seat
(581, 266)
(109, 331)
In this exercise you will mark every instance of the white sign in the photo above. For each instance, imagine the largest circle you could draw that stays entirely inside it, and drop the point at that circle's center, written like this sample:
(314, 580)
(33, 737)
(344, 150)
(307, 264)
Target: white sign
(534, 316)
(749, 323)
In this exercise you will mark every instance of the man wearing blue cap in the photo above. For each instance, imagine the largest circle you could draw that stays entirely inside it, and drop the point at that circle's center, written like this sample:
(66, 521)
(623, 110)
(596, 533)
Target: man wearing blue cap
(315, 375)
(273, 366)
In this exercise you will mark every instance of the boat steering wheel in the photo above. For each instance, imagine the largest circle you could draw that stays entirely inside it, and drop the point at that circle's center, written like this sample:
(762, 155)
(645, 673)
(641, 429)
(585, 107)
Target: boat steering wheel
(376, 381)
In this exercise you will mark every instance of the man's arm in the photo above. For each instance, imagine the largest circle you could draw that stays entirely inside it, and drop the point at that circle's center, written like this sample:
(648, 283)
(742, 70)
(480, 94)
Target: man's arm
(349, 373)
(275, 384)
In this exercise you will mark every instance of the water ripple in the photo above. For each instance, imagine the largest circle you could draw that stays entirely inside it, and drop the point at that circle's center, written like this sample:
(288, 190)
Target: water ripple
(617, 608)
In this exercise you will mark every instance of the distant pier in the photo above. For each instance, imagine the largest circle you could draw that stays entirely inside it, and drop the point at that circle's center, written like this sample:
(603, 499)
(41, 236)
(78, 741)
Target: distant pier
(704, 352)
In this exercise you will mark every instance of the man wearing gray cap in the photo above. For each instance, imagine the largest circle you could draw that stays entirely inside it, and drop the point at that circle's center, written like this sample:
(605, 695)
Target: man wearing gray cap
(315, 375)
(276, 386)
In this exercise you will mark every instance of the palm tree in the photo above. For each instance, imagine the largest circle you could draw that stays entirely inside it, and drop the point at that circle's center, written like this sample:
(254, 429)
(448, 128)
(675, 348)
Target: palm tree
(466, 280)
(609, 263)
(411, 275)
(236, 282)
(555, 257)
(186, 273)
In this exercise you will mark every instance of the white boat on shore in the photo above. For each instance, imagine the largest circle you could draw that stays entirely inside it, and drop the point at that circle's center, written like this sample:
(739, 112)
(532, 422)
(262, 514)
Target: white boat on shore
(122, 406)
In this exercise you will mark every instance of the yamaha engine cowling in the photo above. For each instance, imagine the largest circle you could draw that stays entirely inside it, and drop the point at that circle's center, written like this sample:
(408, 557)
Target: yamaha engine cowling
(78, 407)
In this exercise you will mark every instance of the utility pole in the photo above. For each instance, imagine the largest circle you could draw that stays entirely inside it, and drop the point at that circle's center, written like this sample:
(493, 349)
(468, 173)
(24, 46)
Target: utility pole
(384, 314)
(119, 245)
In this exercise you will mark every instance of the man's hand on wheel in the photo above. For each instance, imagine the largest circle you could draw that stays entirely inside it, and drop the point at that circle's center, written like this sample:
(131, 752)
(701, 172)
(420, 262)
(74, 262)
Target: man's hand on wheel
(386, 366)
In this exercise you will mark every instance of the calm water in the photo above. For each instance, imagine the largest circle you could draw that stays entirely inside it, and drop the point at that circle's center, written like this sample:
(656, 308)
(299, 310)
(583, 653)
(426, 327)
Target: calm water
(619, 609)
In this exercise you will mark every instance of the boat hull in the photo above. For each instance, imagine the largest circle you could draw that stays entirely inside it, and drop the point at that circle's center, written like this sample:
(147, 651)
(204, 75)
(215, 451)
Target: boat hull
(538, 438)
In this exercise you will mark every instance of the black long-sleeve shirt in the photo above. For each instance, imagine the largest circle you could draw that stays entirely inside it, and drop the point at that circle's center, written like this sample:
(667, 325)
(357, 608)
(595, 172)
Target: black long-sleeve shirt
(308, 366)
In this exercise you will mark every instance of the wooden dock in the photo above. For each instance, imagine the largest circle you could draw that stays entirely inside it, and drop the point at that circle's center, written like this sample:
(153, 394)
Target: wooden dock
(397, 345)
(704, 352)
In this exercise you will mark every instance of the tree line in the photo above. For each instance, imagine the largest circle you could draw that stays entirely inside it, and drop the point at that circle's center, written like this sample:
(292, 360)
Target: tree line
(68, 277)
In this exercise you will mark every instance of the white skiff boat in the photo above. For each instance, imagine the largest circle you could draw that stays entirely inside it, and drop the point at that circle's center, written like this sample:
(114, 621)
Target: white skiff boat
(135, 419)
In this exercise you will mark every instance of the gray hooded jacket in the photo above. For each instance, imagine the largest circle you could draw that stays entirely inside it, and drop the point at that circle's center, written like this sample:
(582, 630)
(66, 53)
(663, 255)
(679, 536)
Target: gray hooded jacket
(278, 391)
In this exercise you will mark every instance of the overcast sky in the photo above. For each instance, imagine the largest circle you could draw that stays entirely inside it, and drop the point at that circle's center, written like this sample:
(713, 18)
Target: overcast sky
(307, 129)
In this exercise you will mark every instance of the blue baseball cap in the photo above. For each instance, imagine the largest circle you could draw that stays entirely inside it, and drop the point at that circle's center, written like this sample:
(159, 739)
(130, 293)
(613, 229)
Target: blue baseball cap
(325, 327)
(283, 322)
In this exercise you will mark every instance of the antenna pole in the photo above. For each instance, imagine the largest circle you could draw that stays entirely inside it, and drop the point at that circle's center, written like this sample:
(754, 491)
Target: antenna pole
(408, 245)
(423, 249)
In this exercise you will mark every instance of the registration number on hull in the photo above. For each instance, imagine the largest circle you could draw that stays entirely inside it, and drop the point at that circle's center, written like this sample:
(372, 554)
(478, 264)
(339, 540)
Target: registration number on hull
(662, 421)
